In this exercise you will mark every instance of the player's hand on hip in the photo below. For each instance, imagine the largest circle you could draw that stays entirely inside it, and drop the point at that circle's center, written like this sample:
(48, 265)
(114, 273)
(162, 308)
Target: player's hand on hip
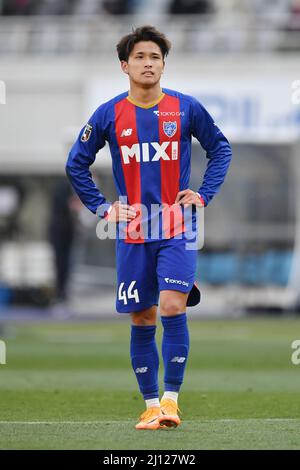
(188, 197)
(120, 213)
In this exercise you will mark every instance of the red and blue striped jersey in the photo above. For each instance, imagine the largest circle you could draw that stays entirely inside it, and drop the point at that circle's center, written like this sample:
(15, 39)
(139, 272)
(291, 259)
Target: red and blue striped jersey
(151, 156)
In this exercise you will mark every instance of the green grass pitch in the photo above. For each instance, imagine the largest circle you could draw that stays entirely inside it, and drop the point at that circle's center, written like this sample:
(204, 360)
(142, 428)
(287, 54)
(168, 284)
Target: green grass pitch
(70, 386)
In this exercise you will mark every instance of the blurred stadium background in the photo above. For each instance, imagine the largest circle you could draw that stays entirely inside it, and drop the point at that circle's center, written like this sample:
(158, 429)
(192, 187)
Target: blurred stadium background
(58, 63)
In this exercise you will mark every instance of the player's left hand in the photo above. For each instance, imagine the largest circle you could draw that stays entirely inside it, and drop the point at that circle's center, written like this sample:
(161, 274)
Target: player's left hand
(188, 197)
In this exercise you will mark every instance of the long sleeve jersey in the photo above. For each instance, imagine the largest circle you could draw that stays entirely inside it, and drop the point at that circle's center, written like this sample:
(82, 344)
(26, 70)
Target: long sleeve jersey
(151, 156)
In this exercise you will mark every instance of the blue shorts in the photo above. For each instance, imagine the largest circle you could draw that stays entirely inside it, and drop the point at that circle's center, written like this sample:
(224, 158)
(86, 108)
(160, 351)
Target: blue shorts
(145, 269)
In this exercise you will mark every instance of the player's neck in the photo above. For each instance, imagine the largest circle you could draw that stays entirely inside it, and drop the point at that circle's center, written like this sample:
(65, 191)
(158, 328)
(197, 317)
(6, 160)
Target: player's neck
(145, 96)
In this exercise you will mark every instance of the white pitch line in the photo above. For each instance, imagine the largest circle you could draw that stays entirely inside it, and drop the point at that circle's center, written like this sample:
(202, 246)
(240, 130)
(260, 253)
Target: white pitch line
(204, 421)
(63, 422)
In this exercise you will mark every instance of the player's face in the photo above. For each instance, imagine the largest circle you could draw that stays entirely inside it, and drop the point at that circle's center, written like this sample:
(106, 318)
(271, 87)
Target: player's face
(145, 64)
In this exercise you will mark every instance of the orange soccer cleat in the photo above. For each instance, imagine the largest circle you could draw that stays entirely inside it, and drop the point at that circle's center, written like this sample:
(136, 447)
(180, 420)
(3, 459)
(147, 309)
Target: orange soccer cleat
(149, 419)
(169, 413)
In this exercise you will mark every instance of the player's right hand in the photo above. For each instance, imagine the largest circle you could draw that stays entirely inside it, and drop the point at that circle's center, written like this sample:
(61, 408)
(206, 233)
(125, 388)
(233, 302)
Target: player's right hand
(121, 212)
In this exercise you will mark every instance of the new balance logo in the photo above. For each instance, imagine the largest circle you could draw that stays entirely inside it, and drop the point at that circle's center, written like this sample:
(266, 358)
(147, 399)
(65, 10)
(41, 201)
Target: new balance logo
(180, 360)
(142, 152)
(141, 370)
(126, 132)
(176, 281)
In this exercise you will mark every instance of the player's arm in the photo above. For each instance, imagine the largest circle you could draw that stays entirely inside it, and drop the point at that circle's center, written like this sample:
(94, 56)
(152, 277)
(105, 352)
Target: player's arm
(218, 151)
(82, 155)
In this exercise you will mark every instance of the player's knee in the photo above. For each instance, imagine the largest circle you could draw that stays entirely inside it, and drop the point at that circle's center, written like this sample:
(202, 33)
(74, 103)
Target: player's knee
(171, 306)
(144, 317)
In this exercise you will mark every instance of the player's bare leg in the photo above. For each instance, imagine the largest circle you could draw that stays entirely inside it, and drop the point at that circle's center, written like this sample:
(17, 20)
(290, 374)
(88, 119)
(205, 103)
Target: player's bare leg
(144, 357)
(144, 317)
(172, 302)
(175, 350)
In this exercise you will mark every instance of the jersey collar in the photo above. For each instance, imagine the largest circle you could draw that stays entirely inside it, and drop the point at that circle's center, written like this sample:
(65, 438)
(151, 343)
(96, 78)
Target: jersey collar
(145, 106)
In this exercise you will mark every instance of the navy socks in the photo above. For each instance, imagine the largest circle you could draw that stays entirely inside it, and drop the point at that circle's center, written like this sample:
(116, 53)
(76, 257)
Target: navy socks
(175, 349)
(144, 359)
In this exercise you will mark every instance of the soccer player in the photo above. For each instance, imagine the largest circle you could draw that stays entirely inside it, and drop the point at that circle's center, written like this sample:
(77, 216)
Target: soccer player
(149, 131)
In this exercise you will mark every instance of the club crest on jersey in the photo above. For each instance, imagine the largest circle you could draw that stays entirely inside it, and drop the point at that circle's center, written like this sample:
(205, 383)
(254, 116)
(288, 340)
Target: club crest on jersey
(86, 133)
(170, 128)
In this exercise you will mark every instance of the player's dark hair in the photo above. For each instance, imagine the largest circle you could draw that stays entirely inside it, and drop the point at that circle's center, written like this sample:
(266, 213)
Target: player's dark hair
(143, 33)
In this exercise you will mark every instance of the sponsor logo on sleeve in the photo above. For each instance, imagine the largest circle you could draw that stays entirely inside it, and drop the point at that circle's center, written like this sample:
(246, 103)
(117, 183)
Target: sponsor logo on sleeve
(86, 133)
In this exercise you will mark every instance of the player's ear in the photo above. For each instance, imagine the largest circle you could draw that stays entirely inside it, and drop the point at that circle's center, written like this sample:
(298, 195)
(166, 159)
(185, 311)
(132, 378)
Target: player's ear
(124, 66)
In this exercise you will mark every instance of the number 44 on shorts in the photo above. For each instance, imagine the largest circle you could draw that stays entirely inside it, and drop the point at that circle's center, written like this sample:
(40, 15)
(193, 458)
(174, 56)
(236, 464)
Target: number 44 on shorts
(129, 294)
